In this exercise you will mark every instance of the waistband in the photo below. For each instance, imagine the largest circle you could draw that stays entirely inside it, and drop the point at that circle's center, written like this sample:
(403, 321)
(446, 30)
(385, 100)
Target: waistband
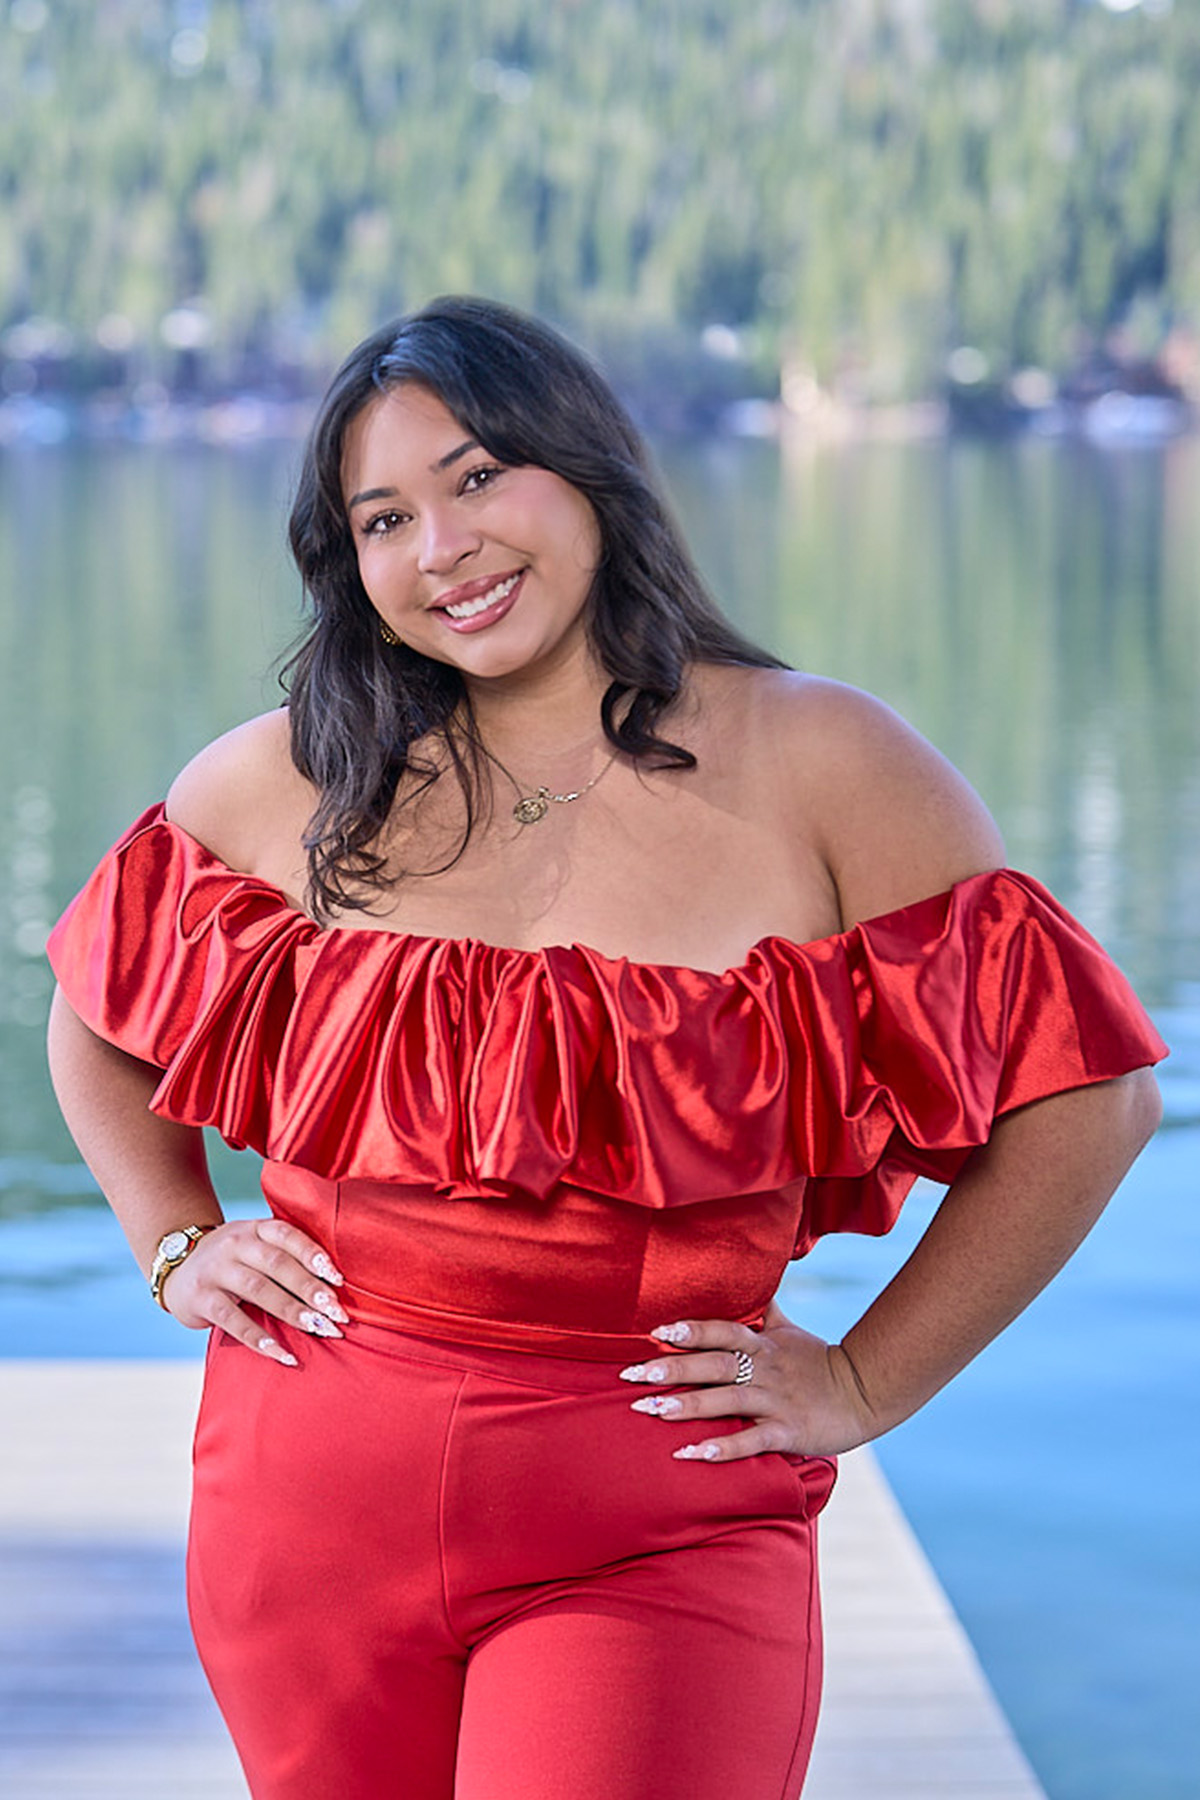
(449, 1327)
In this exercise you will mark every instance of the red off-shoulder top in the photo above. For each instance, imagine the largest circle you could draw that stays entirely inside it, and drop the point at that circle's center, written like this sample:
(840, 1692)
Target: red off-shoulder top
(559, 1145)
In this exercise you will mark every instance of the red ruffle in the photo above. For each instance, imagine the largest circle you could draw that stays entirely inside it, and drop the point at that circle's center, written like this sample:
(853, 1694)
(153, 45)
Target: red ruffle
(862, 1059)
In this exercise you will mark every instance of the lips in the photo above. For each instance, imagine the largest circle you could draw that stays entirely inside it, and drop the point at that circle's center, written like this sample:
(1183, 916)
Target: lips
(477, 604)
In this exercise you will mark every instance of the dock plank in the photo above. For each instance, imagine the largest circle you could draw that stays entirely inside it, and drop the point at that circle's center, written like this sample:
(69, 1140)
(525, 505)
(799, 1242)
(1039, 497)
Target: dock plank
(102, 1698)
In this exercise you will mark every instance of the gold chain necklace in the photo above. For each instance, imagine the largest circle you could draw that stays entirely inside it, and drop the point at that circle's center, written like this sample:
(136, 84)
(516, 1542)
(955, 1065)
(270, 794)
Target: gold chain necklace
(530, 809)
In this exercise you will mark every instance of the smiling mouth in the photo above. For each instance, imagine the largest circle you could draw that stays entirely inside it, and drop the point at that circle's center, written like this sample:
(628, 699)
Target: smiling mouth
(481, 603)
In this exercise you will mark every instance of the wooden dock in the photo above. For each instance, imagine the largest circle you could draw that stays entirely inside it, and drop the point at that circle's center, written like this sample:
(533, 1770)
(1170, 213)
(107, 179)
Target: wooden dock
(101, 1697)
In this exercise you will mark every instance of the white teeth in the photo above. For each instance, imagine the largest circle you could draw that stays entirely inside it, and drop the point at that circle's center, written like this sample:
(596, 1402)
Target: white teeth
(467, 609)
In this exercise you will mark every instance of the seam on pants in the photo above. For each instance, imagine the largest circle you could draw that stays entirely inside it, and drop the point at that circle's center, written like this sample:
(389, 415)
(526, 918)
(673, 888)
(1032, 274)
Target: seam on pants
(443, 1476)
(812, 1705)
(526, 1384)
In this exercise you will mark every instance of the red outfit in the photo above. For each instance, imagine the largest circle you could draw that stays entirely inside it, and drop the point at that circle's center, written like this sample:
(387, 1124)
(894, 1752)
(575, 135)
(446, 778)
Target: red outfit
(522, 1161)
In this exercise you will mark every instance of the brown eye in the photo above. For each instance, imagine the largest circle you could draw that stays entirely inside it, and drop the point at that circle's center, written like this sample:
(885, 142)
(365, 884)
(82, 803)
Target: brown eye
(382, 523)
(478, 479)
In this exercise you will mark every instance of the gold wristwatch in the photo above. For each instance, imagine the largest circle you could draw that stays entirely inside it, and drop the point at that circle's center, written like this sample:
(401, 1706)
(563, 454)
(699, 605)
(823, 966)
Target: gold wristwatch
(173, 1249)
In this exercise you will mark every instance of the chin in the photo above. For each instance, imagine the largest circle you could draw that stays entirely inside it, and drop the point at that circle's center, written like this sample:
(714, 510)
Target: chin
(500, 662)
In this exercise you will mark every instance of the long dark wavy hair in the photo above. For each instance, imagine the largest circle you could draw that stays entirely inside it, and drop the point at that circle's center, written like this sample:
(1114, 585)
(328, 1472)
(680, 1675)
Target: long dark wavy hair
(358, 706)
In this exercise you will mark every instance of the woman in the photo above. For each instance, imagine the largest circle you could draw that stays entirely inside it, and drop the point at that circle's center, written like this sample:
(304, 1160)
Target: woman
(574, 965)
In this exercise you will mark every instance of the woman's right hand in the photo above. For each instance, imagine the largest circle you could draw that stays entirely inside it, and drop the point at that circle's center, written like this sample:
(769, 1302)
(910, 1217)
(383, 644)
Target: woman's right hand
(265, 1263)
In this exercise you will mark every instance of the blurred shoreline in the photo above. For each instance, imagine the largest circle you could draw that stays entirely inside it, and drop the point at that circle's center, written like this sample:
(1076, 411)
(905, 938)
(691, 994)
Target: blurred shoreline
(1113, 415)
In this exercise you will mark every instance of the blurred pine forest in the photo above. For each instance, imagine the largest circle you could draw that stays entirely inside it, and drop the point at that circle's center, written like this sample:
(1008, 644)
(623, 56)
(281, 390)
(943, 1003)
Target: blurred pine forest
(219, 193)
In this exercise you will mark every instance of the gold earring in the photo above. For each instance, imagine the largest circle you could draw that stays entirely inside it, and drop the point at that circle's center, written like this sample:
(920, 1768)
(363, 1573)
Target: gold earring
(387, 634)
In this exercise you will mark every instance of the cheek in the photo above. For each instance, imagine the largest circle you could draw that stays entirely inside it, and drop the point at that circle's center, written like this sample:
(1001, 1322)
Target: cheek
(367, 576)
(557, 515)
(587, 546)
(579, 534)
(378, 572)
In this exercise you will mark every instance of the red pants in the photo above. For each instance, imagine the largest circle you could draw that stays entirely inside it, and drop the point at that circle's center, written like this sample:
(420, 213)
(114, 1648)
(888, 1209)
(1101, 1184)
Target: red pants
(420, 1571)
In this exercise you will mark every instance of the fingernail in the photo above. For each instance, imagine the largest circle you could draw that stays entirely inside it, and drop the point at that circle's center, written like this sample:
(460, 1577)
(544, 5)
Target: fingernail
(328, 1305)
(697, 1453)
(271, 1348)
(319, 1325)
(665, 1406)
(322, 1266)
(644, 1372)
(672, 1334)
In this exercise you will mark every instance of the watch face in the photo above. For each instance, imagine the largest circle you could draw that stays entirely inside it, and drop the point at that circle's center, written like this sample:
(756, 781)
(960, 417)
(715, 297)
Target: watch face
(174, 1244)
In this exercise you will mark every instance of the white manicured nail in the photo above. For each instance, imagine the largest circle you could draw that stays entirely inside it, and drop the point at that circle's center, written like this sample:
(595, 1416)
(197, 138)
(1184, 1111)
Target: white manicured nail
(663, 1406)
(270, 1348)
(644, 1372)
(328, 1305)
(697, 1453)
(319, 1325)
(322, 1266)
(672, 1334)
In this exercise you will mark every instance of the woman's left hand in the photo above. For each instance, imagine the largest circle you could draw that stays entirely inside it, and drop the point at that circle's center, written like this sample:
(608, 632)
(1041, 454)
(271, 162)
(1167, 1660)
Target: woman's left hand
(797, 1393)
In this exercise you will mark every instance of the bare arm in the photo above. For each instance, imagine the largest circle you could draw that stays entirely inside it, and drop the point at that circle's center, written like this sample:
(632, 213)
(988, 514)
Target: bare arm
(1011, 1220)
(155, 1177)
(239, 796)
(154, 1174)
(1021, 1207)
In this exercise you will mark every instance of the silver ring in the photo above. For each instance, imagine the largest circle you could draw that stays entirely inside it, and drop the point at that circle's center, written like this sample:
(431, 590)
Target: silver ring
(745, 1368)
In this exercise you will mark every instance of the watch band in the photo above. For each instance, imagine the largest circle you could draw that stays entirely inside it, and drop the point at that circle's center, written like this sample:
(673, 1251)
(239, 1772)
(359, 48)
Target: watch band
(173, 1248)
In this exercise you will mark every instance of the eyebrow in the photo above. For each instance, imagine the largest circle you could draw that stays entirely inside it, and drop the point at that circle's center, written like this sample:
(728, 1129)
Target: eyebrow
(443, 462)
(370, 494)
(453, 456)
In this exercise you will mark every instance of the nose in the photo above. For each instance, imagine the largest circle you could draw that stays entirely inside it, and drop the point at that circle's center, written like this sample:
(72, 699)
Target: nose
(445, 538)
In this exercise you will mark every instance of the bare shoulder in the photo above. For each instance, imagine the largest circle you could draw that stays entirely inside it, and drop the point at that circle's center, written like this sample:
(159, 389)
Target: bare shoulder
(244, 799)
(891, 817)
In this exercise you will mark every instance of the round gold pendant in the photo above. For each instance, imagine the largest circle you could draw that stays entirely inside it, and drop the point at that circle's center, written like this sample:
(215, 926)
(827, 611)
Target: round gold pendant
(532, 807)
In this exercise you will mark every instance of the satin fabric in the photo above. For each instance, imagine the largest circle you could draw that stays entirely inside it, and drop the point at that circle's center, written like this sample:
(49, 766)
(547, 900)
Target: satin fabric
(555, 1142)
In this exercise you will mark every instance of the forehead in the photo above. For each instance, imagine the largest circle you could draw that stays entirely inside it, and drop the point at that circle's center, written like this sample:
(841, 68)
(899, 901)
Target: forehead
(408, 427)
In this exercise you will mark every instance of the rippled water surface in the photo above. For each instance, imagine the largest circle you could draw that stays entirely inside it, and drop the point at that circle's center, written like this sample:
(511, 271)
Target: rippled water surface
(1035, 609)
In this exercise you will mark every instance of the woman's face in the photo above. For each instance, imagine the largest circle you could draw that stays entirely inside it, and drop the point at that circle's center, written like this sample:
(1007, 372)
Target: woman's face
(470, 561)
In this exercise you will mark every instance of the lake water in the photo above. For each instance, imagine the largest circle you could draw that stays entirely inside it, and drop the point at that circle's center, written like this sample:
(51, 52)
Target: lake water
(1035, 609)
